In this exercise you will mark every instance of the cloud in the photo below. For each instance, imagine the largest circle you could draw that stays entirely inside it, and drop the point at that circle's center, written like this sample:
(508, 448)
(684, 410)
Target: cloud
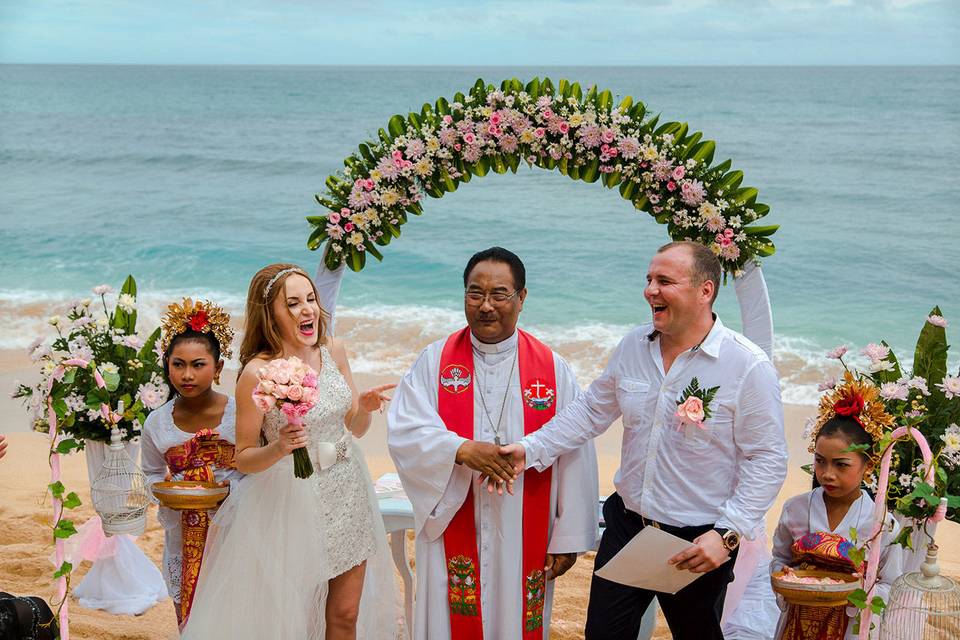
(560, 32)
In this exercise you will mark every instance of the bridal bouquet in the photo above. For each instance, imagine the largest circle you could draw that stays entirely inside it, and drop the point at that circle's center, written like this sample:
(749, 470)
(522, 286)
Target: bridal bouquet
(94, 359)
(289, 385)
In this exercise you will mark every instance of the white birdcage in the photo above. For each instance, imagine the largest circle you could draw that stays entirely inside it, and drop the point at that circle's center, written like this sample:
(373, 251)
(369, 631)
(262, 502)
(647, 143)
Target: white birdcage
(119, 491)
(923, 605)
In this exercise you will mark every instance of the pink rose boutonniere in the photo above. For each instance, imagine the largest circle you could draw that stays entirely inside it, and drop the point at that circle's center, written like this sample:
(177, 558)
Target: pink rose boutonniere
(693, 407)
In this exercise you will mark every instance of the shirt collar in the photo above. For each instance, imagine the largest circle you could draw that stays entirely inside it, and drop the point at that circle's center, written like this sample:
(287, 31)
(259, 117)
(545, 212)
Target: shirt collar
(710, 344)
(498, 347)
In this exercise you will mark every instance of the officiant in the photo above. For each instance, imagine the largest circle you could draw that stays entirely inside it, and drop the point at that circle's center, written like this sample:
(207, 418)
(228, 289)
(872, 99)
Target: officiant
(486, 563)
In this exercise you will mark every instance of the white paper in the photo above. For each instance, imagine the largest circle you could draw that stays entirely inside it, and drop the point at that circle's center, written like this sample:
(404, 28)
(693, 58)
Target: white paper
(642, 563)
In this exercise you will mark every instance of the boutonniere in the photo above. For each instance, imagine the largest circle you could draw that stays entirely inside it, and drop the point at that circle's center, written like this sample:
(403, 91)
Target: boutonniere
(693, 407)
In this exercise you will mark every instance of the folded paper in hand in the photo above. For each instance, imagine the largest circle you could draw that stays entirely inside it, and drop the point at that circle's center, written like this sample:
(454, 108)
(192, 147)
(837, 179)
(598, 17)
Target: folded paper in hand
(642, 563)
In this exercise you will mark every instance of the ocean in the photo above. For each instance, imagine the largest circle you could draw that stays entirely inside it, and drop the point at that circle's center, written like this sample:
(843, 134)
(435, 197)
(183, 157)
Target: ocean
(191, 178)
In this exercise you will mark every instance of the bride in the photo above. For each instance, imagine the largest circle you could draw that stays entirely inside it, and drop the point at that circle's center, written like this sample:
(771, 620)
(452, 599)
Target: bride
(292, 558)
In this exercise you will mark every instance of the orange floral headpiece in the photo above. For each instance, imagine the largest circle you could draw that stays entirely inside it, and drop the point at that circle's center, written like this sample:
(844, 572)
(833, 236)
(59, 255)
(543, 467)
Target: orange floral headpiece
(201, 316)
(859, 400)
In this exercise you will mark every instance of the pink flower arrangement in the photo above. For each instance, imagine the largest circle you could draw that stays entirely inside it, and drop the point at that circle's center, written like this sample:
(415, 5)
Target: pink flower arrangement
(289, 385)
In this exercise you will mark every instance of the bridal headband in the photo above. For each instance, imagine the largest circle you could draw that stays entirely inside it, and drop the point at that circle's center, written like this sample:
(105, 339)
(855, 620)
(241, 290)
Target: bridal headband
(280, 274)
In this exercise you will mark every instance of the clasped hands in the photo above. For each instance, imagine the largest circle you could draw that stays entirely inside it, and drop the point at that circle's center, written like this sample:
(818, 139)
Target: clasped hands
(498, 466)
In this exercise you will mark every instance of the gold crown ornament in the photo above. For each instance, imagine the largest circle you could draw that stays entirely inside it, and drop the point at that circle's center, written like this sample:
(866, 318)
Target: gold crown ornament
(201, 316)
(858, 399)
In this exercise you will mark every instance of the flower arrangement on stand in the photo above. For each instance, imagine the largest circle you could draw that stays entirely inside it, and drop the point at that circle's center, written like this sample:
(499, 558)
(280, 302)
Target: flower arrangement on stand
(661, 168)
(94, 363)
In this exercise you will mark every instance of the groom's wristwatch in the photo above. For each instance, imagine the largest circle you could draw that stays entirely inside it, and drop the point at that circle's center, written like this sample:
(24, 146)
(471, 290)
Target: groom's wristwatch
(731, 539)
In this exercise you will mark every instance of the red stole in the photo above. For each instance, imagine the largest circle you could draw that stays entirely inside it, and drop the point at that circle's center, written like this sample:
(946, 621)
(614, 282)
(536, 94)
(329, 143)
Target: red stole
(455, 406)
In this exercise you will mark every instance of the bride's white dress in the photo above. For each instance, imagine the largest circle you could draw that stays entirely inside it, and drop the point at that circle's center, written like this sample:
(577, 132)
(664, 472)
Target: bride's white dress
(277, 540)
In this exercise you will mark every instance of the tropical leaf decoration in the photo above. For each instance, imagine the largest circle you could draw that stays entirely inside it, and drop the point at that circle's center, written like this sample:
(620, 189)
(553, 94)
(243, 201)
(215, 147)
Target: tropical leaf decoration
(661, 168)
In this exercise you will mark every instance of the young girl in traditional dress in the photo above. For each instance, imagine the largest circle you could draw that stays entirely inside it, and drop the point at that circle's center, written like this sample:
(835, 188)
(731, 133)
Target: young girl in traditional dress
(814, 527)
(288, 557)
(192, 436)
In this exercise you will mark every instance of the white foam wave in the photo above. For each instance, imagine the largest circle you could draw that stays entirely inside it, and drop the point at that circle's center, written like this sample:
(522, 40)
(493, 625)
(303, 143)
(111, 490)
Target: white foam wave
(386, 339)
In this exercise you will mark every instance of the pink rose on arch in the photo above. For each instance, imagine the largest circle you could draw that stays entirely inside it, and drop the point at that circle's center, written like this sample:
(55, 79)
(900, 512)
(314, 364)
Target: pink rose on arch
(348, 227)
(607, 135)
(679, 172)
(671, 186)
(448, 119)
(691, 411)
(547, 113)
(539, 132)
(469, 138)
(564, 126)
(334, 217)
(495, 118)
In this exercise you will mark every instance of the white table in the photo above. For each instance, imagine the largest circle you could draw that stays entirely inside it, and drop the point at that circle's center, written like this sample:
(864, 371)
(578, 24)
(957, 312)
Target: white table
(397, 515)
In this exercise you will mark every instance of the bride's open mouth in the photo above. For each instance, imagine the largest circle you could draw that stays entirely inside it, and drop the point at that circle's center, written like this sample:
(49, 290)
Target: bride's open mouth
(306, 328)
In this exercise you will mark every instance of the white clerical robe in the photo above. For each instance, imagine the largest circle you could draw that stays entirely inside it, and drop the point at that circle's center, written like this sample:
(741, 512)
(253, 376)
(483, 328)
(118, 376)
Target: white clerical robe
(424, 452)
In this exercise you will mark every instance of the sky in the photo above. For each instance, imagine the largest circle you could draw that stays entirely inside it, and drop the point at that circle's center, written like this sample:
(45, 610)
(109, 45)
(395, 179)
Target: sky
(481, 32)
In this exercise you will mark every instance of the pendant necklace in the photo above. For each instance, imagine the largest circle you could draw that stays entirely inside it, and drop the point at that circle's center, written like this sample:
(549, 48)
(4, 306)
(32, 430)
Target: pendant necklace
(503, 404)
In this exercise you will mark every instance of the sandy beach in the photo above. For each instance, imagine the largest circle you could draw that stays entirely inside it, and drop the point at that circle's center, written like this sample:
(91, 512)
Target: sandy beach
(25, 548)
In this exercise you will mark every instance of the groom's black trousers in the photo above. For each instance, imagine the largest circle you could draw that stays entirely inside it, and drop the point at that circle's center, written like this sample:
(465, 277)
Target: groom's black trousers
(616, 610)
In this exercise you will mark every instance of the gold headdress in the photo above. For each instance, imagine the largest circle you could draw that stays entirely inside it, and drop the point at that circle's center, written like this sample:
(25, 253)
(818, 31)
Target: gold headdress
(201, 316)
(859, 400)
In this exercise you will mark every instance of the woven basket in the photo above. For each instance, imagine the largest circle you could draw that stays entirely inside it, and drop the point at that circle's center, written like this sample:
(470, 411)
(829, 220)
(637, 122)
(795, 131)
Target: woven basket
(187, 494)
(816, 595)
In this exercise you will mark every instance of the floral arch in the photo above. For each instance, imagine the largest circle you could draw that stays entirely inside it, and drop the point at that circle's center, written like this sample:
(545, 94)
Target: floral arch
(662, 169)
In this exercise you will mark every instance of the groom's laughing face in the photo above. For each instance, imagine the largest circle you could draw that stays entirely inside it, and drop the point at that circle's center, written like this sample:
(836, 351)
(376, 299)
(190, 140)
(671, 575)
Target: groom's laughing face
(491, 302)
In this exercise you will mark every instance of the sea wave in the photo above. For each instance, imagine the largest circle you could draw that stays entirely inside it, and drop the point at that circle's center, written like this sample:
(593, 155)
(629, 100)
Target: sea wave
(386, 339)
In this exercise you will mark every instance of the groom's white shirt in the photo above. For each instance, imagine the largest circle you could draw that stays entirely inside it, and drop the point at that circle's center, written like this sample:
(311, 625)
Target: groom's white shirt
(728, 472)
(424, 451)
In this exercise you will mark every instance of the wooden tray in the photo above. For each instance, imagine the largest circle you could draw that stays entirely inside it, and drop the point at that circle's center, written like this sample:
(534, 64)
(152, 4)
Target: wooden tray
(186, 494)
(816, 595)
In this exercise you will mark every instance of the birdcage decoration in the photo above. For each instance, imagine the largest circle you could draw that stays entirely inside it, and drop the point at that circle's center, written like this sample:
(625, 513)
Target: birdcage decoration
(119, 491)
(924, 605)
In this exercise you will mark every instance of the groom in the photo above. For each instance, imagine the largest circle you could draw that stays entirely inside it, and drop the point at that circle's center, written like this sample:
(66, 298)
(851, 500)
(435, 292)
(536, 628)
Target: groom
(703, 462)
(485, 564)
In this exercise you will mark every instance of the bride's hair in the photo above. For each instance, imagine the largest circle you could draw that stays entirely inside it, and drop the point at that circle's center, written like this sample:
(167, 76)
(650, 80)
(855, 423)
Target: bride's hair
(261, 336)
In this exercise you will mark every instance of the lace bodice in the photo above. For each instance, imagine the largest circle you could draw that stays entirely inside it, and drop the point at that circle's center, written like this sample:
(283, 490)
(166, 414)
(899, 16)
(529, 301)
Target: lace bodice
(324, 422)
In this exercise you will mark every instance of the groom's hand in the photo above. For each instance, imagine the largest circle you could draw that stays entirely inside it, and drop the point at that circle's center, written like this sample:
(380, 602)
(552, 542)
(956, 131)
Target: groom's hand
(517, 455)
(706, 554)
(485, 457)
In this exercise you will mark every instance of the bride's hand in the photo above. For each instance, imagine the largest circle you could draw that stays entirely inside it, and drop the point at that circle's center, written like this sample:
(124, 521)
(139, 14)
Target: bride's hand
(292, 436)
(373, 399)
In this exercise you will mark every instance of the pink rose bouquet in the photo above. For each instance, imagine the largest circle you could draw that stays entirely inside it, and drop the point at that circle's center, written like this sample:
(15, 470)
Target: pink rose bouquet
(290, 386)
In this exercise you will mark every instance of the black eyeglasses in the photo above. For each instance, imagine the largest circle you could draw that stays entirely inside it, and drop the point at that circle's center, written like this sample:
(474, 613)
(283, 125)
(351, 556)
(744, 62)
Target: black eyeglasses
(476, 298)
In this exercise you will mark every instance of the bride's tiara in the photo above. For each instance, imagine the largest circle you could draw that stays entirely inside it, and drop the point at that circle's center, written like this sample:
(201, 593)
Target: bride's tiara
(280, 274)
